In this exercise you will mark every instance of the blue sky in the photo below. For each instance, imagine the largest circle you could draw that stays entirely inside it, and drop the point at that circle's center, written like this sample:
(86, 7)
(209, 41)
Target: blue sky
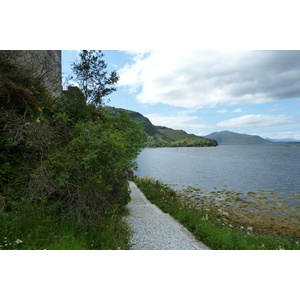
(253, 92)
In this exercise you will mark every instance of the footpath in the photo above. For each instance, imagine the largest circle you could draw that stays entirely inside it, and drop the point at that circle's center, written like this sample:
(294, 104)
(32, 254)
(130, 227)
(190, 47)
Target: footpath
(154, 230)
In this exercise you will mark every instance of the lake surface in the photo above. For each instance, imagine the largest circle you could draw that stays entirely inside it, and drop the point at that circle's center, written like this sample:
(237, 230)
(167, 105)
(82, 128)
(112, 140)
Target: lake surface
(242, 168)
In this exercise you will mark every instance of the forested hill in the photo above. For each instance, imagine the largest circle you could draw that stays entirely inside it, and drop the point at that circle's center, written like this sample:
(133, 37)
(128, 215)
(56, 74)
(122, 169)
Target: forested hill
(232, 138)
(160, 136)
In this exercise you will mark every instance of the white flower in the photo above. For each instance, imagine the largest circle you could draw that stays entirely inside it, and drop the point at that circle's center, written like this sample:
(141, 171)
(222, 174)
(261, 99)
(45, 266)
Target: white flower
(18, 241)
(250, 228)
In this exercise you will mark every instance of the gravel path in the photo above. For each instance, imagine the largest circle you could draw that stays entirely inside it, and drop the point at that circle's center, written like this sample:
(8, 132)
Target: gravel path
(154, 230)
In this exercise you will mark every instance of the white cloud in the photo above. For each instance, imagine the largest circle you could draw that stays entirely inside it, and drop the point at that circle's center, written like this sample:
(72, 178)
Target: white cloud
(224, 111)
(176, 121)
(237, 110)
(198, 79)
(275, 109)
(256, 121)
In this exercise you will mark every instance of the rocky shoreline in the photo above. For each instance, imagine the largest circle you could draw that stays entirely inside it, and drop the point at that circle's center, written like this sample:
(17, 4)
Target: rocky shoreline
(260, 211)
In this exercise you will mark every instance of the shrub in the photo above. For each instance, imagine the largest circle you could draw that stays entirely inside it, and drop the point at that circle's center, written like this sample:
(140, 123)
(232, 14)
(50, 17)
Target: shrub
(63, 161)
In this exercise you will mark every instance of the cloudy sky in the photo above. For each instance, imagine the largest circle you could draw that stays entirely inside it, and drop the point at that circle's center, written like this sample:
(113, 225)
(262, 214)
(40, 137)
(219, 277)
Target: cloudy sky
(253, 92)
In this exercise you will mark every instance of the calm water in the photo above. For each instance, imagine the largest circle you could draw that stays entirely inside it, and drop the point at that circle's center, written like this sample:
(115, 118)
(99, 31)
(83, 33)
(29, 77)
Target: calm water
(241, 168)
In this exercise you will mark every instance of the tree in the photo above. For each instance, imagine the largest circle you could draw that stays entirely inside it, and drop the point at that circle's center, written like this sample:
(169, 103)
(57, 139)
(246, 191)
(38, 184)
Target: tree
(92, 78)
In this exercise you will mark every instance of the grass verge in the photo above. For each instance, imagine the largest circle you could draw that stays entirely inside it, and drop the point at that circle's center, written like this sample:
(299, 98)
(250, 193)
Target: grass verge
(207, 227)
(31, 229)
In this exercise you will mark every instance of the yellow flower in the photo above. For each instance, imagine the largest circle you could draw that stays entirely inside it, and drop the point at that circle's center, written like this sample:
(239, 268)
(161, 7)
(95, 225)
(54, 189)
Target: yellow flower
(31, 144)
(39, 109)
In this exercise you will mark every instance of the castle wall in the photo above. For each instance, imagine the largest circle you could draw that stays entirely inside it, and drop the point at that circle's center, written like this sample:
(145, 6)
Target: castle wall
(46, 65)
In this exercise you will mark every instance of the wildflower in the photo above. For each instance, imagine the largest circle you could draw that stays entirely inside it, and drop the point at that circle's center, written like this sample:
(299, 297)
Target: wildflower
(230, 225)
(180, 208)
(39, 109)
(31, 144)
(18, 241)
(250, 228)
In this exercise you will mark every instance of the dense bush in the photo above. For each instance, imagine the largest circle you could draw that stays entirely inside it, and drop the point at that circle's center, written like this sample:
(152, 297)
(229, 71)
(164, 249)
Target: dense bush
(60, 158)
(88, 176)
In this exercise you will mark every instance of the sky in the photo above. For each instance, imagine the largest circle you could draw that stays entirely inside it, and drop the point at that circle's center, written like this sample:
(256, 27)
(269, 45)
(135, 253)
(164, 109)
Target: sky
(202, 91)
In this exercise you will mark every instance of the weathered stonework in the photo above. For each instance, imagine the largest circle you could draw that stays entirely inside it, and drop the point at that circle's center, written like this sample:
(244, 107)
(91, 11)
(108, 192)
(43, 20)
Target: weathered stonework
(44, 64)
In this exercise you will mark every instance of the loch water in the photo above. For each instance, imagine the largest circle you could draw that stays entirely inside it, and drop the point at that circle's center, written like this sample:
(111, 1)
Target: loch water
(243, 168)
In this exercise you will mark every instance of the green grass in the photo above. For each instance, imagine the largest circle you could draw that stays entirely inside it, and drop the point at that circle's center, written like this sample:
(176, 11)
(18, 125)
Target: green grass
(28, 229)
(206, 227)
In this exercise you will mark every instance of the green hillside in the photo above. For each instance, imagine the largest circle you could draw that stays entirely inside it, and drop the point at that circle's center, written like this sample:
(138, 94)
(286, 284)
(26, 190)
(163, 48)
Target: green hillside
(174, 134)
(160, 136)
(180, 138)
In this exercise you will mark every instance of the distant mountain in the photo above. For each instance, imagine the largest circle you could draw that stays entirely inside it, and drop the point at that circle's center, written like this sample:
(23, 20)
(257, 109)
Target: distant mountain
(160, 136)
(232, 138)
(288, 140)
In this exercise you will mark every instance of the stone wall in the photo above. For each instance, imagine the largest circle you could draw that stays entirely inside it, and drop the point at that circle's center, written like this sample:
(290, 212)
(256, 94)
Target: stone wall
(44, 64)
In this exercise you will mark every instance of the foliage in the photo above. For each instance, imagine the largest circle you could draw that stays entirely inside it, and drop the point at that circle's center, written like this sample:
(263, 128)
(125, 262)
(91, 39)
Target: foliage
(202, 142)
(203, 224)
(88, 177)
(92, 78)
(64, 165)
